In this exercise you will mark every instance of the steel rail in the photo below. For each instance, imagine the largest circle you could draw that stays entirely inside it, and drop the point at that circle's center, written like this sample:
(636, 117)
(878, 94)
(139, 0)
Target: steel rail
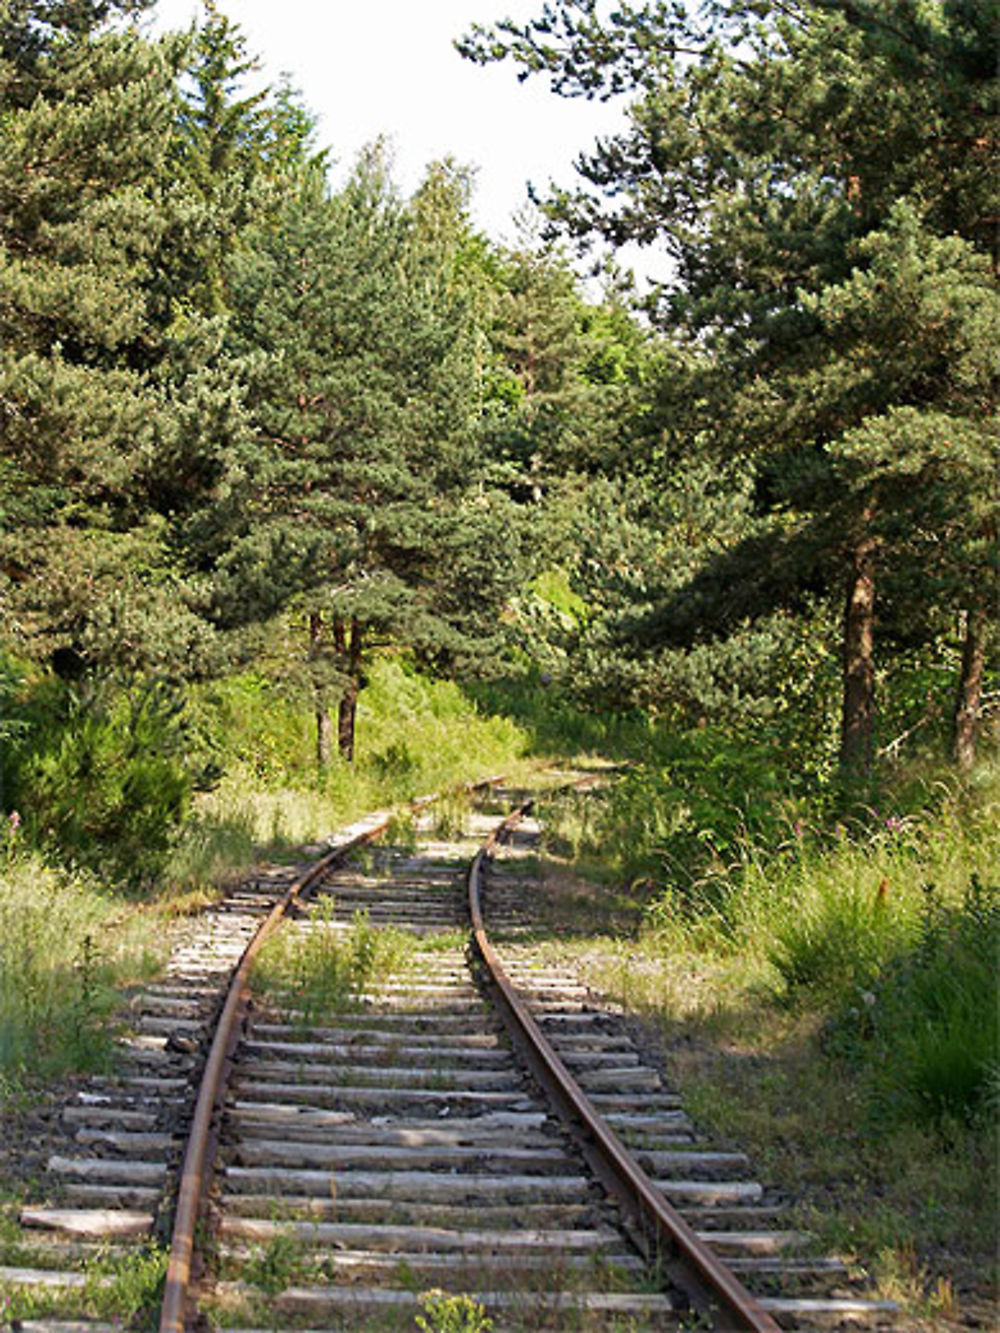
(667, 1236)
(197, 1156)
(198, 1153)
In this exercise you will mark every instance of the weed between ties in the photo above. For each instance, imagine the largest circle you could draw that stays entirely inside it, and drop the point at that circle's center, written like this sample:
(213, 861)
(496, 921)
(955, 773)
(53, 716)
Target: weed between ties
(324, 969)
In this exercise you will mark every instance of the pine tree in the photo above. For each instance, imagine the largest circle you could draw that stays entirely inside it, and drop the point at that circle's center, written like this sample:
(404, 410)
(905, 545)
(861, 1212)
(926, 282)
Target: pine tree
(770, 151)
(363, 488)
(123, 420)
(230, 152)
(86, 106)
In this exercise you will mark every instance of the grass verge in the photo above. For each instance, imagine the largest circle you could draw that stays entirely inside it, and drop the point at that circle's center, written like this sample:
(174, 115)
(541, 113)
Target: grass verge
(67, 950)
(827, 1002)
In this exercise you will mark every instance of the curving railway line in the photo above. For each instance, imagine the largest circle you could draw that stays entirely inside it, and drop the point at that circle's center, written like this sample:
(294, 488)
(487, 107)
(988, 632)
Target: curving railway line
(474, 1137)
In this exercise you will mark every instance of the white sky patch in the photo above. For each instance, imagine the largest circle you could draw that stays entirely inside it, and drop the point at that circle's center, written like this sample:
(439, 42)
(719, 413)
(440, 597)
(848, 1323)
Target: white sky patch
(388, 67)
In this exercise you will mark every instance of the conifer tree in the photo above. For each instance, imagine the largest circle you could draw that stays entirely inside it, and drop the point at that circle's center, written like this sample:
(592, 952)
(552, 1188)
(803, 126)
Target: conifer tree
(122, 410)
(231, 151)
(86, 107)
(771, 148)
(363, 489)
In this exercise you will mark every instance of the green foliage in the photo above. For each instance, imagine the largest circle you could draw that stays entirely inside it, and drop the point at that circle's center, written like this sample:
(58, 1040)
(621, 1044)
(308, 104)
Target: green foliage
(375, 523)
(128, 1287)
(838, 940)
(443, 1313)
(425, 733)
(819, 174)
(233, 399)
(275, 1266)
(324, 971)
(928, 1031)
(874, 937)
(86, 105)
(64, 954)
(416, 735)
(562, 384)
(100, 774)
(843, 917)
(248, 722)
(682, 816)
(121, 1288)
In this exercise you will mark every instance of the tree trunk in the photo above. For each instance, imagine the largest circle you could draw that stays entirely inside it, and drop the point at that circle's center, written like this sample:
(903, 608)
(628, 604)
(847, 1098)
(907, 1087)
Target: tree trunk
(324, 724)
(348, 641)
(970, 688)
(347, 714)
(857, 726)
(324, 737)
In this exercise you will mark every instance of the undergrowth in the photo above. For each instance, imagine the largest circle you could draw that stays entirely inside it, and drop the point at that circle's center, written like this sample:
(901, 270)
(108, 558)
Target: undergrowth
(120, 804)
(886, 921)
(124, 1288)
(415, 736)
(66, 950)
(99, 773)
(323, 970)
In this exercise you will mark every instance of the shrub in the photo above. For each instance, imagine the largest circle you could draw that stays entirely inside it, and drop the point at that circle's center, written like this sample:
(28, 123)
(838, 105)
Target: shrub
(683, 818)
(934, 1013)
(100, 774)
(249, 723)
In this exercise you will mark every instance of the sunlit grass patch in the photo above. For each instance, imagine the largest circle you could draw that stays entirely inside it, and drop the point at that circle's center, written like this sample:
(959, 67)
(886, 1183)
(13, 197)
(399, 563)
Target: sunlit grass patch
(325, 970)
(123, 1286)
(415, 737)
(444, 941)
(66, 950)
(448, 817)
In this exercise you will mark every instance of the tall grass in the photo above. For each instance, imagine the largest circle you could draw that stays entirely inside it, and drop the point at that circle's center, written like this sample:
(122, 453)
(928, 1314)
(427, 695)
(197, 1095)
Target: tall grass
(687, 808)
(414, 736)
(885, 923)
(66, 949)
(831, 907)
(891, 931)
(934, 1014)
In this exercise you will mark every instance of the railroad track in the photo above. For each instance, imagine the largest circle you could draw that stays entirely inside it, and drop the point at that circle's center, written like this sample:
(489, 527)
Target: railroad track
(396, 1144)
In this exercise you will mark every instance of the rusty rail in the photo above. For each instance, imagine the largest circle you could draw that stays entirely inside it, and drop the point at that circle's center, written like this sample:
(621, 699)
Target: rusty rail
(196, 1168)
(684, 1257)
(199, 1152)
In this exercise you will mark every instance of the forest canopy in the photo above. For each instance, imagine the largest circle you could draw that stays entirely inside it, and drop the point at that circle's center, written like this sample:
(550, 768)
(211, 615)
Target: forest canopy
(823, 179)
(250, 416)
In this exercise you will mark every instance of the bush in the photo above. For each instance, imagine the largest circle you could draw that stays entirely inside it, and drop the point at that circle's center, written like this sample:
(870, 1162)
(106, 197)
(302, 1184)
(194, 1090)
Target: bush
(935, 1045)
(555, 724)
(249, 723)
(100, 774)
(893, 937)
(684, 819)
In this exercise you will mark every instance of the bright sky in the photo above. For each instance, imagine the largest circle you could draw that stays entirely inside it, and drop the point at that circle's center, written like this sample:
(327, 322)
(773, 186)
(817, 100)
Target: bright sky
(370, 67)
